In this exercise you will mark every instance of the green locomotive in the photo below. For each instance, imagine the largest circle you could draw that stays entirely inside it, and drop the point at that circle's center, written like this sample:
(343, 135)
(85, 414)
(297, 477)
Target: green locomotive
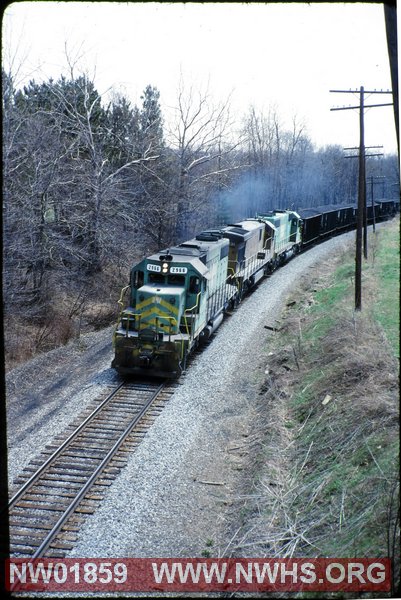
(178, 297)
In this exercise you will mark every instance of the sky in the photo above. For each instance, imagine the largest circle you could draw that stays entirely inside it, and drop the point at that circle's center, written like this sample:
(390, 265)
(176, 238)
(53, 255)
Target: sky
(286, 56)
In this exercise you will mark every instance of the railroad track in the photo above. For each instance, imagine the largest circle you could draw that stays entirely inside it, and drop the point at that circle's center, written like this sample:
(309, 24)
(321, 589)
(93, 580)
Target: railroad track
(68, 481)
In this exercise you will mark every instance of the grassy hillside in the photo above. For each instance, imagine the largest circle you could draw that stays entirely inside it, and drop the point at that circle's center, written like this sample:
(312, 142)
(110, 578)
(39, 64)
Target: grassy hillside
(327, 475)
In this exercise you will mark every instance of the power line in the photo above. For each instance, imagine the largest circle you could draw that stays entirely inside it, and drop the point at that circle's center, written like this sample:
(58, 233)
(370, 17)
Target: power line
(361, 217)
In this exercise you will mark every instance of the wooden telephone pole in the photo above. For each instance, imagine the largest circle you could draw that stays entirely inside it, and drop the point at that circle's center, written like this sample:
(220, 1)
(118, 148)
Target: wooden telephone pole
(365, 219)
(361, 182)
(372, 182)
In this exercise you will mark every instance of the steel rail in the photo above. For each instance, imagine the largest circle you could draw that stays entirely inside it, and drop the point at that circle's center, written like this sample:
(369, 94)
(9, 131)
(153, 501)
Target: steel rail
(55, 530)
(61, 448)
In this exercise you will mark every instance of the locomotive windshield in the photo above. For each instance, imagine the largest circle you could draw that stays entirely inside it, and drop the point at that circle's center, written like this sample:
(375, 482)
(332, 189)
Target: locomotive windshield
(156, 278)
(178, 280)
(171, 279)
(138, 279)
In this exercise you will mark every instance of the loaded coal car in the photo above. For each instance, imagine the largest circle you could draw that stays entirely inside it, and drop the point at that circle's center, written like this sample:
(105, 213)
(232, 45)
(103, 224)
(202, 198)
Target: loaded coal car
(387, 208)
(177, 298)
(328, 220)
(322, 221)
(370, 211)
(346, 217)
(335, 218)
(311, 219)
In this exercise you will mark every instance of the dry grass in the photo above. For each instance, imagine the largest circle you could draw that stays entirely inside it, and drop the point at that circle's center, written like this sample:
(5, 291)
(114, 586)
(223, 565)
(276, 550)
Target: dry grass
(327, 481)
(66, 314)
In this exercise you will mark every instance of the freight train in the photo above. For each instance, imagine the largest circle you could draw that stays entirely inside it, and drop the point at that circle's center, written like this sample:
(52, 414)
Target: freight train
(178, 297)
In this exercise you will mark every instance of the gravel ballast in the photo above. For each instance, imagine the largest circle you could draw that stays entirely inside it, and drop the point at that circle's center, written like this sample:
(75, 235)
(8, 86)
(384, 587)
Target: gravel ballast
(173, 497)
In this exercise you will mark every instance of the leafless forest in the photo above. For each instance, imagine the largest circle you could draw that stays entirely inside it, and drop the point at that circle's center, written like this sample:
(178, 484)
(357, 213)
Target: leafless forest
(91, 186)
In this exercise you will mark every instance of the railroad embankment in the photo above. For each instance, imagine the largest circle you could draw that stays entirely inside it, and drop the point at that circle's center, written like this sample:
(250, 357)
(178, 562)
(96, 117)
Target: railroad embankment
(326, 476)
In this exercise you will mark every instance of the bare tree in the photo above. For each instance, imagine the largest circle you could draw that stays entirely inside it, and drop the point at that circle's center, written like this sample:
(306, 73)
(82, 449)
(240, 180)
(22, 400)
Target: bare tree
(201, 140)
(276, 153)
(79, 107)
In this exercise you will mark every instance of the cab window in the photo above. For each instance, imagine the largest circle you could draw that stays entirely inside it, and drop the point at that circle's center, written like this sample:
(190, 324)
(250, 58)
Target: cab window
(194, 285)
(155, 278)
(138, 279)
(176, 280)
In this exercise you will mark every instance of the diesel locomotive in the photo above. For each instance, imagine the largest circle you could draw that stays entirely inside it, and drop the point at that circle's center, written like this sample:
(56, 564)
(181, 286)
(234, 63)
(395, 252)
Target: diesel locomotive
(178, 297)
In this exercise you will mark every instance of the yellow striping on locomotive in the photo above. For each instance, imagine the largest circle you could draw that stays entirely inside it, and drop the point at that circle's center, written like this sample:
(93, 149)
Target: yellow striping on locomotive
(156, 322)
(158, 316)
(156, 305)
(156, 313)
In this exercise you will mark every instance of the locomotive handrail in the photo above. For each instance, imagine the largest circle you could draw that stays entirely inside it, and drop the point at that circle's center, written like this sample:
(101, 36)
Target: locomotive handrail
(120, 302)
(128, 318)
(193, 307)
(172, 321)
(123, 291)
(233, 276)
(285, 240)
(191, 311)
(269, 239)
(251, 263)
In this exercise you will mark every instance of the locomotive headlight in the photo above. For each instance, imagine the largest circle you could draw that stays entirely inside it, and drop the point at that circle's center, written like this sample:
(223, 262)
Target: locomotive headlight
(165, 268)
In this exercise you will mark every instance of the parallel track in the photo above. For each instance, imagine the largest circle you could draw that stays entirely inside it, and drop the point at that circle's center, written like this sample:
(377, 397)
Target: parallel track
(46, 512)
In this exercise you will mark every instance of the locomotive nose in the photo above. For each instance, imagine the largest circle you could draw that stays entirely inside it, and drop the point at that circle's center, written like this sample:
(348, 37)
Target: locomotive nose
(161, 307)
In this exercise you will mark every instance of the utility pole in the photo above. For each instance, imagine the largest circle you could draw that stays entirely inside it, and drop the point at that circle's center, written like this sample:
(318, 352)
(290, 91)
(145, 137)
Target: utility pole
(365, 217)
(390, 16)
(361, 206)
(372, 182)
(361, 182)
